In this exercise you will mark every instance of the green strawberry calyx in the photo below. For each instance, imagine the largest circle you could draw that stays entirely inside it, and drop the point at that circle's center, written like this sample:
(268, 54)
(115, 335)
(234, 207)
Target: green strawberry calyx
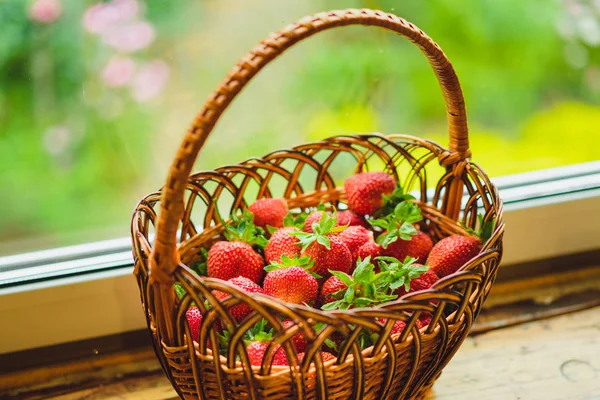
(242, 229)
(397, 274)
(364, 288)
(399, 224)
(295, 220)
(259, 333)
(304, 262)
(390, 201)
(322, 228)
(485, 228)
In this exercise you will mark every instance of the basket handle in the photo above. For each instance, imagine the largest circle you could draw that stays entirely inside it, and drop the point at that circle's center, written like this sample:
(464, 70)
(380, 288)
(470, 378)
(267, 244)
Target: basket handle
(164, 254)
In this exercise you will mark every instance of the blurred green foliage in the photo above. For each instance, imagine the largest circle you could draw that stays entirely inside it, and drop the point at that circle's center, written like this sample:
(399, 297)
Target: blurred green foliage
(77, 152)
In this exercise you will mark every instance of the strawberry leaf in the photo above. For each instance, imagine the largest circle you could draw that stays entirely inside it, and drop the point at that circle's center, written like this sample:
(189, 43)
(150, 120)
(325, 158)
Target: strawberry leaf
(324, 241)
(321, 229)
(201, 266)
(363, 288)
(346, 280)
(304, 262)
(399, 224)
(398, 273)
(391, 201)
(295, 220)
(259, 333)
(242, 229)
(179, 290)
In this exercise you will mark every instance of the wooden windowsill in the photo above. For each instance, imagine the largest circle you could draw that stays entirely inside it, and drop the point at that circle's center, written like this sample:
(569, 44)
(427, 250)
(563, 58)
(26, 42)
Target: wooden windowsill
(537, 338)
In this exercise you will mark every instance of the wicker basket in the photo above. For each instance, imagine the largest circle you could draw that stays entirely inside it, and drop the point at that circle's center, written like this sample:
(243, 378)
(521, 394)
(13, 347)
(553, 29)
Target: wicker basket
(396, 366)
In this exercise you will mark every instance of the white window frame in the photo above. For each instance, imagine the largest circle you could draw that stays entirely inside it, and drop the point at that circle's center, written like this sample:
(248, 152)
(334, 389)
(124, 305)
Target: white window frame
(88, 291)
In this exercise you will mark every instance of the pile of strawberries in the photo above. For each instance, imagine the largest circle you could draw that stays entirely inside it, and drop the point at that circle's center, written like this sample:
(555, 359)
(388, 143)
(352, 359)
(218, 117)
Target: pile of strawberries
(369, 254)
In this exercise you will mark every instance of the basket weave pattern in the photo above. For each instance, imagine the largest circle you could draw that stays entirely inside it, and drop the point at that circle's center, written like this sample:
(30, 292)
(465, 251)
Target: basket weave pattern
(450, 190)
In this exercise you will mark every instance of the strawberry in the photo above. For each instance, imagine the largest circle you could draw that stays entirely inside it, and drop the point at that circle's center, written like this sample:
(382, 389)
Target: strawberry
(354, 237)
(312, 218)
(269, 212)
(298, 340)
(364, 288)
(236, 257)
(401, 238)
(282, 243)
(451, 253)
(418, 247)
(344, 218)
(332, 285)
(194, 318)
(323, 247)
(368, 249)
(257, 340)
(364, 191)
(398, 325)
(290, 281)
(256, 352)
(350, 218)
(227, 260)
(325, 356)
(425, 319)
(242, 310)
(335, 257)
(423, 282)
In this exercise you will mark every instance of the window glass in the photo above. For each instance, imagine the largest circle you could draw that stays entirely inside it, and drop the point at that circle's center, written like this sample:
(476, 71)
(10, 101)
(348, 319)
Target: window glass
(95, 96)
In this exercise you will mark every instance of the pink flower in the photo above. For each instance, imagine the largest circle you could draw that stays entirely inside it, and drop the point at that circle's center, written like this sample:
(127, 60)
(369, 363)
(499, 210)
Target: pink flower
(45, 11)
(130, 37)
(150, 80)
(118, 71)
(101, 17)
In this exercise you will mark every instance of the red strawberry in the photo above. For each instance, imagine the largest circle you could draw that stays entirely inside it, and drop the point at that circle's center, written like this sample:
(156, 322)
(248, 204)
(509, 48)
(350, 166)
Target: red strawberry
(350, 218)
(418, 247)
(344, 218)
(256, 352)
(368, 249)
(240, 311)
(325, 356)
(451, 253)
(331, 285)
(291, 284)
(282, 243)
(425, 319)
(269, 212)
(423, 282)
(194, 318)
(324, 247)
(399, 325)
(364, 191)
(298, 340)
(311, 219)
(337, 257)
(228, 260)
(354, 237)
